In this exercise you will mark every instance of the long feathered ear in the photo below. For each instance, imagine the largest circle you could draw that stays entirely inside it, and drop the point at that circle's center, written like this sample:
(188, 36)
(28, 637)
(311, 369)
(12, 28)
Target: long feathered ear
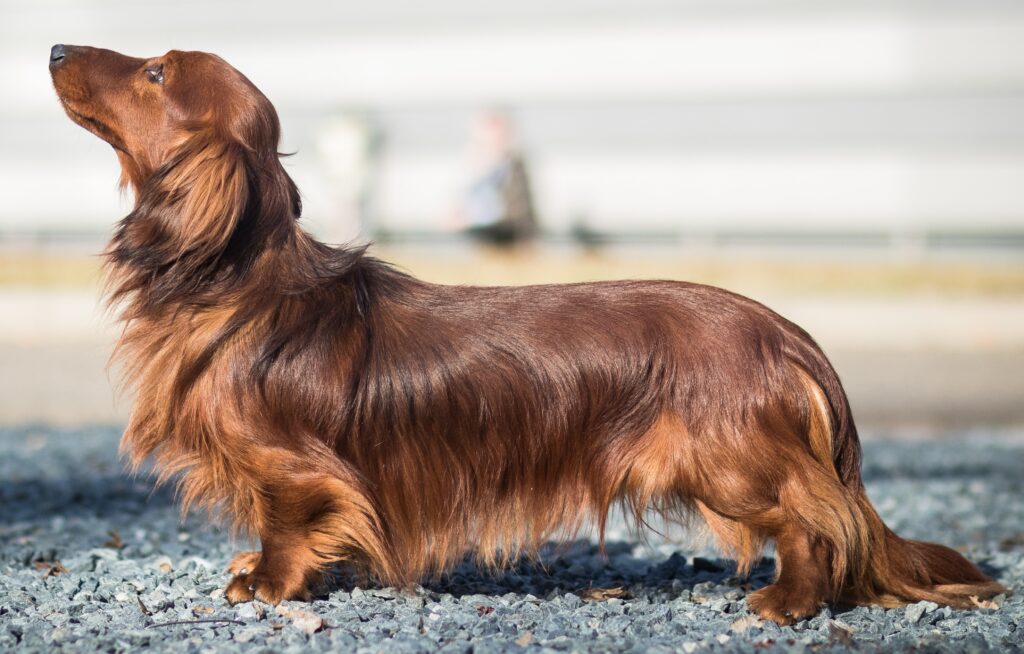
(206, 214)
(191, 206)
(185, 215)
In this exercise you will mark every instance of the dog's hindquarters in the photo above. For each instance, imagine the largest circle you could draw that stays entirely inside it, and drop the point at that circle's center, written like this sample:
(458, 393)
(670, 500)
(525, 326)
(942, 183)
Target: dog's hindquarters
(768, 474)
(793, 477)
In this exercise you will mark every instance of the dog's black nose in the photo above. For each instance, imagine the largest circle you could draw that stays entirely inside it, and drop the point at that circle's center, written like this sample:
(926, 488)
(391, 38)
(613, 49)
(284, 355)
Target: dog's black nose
(56, 54)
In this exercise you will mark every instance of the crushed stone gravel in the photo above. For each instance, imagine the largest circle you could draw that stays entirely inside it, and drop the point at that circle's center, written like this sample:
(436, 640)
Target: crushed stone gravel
(92, 560)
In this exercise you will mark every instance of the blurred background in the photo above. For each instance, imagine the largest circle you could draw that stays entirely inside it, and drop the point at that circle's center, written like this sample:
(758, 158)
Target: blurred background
(856, 165)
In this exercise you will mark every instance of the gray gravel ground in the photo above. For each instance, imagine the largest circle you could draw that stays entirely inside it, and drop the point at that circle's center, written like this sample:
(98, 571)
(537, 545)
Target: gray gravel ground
(91, 560)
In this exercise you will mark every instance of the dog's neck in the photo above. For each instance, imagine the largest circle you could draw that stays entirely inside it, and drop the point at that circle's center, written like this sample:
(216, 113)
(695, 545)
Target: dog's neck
(293, 264)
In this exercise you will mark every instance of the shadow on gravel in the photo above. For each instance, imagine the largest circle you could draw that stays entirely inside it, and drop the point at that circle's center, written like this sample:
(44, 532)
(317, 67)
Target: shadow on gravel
(996, 572)
(102, 497)
(578, 567)
(48, 473)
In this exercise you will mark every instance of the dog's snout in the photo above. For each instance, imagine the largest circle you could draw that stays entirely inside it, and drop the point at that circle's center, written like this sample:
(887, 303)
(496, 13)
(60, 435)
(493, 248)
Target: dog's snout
(57, 54)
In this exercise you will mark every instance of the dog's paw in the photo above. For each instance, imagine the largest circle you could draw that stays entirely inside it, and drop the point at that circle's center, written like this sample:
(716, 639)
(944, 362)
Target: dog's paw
(244, 563)
(254, 586)
(782, 605)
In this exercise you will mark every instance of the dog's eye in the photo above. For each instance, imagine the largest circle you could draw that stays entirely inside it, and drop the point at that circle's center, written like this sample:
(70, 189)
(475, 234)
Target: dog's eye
(156, 73)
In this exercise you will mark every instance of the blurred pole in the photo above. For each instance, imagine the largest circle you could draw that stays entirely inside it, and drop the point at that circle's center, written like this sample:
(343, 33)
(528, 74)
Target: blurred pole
(347, 148)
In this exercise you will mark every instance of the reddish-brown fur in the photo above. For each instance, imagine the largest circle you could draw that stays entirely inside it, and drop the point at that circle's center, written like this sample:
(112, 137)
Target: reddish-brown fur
(341, 410)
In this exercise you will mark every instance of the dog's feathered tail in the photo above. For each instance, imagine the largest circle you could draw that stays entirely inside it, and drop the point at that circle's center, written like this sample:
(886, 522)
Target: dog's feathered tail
(878, 567)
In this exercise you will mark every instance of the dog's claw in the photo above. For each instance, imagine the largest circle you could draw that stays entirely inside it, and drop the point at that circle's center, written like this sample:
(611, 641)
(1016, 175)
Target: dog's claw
(238, 591)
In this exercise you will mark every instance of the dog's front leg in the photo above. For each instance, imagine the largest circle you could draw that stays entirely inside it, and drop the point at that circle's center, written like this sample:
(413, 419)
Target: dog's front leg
(285, 569)
(288, 563)
(306, 521)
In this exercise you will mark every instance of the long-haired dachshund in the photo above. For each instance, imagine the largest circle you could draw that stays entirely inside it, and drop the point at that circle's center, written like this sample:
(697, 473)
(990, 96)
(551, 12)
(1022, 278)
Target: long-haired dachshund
(344, 411)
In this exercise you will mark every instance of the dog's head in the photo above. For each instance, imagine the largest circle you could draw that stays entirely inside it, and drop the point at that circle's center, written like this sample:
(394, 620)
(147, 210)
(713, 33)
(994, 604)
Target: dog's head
(197, 141)
(148, 108)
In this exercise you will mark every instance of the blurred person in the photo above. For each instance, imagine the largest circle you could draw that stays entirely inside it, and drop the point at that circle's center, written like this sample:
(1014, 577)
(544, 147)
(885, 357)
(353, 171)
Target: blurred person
(498, 207)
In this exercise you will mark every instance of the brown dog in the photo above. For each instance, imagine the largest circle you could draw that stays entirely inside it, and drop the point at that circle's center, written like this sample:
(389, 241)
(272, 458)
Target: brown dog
(344, 411)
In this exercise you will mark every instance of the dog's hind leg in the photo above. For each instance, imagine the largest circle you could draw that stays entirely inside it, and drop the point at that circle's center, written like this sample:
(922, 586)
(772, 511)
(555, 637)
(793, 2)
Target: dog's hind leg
(802, 508)
(802, 585)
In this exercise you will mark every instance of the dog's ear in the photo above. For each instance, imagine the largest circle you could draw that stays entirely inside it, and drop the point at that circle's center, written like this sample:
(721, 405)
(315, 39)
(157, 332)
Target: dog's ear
(192, 205)
(206, 213)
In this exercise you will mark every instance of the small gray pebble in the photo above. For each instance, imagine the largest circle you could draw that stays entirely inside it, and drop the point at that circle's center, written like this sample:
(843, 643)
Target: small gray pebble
(914, 612)
(249, 611)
